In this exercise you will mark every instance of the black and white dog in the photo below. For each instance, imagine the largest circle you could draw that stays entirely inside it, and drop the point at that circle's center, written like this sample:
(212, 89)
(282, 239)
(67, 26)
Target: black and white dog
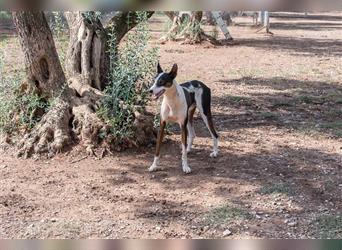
(179, 105)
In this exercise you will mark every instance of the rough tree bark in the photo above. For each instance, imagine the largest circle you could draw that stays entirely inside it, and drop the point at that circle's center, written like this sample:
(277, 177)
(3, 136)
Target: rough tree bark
(87, 58)
(44, 71)
(87, 61)
(45, 76)
(72, 118)
(189, 31)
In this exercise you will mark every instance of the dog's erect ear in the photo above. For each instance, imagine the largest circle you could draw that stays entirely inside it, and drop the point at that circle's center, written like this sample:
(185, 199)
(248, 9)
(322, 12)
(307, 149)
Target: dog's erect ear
(173, 72)
(159, 68)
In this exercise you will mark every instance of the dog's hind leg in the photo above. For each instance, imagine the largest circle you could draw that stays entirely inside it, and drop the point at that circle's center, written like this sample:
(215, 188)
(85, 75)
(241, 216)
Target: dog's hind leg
(210, 124)
(203, 101)
(155, 164)
(185, 166)
(191, 129)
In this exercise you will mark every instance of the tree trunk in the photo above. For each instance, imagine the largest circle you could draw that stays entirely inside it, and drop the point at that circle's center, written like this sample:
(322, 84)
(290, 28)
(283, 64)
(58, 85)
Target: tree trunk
(210, 20)
(44, 71)
(87, 58)
(187, 30)
(72, 118)
(227, 17)
(87, 61)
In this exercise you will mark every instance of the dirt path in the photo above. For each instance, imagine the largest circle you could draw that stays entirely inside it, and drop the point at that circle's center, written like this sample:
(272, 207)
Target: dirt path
(277, 103)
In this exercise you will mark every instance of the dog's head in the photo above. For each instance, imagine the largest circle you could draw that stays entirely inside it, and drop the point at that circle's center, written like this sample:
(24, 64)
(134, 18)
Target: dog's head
(163, 81)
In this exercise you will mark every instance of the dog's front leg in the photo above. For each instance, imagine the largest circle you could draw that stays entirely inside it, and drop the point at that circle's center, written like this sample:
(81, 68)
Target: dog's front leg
(160, 137)
(185, 166)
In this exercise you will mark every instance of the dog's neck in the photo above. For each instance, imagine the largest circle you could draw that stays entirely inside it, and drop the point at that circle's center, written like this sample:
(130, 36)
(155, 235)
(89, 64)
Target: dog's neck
(172, 92)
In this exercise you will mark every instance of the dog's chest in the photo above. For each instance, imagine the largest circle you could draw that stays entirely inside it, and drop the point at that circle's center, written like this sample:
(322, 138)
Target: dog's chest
(174, 109)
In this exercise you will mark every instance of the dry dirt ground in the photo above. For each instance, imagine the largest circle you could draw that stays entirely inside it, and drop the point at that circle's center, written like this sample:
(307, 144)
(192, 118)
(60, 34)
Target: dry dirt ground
(277, 104)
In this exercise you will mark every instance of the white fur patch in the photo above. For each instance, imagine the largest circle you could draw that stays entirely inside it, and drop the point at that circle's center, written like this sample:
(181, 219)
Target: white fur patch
(185, 166)
(155, 164)
(191, 136)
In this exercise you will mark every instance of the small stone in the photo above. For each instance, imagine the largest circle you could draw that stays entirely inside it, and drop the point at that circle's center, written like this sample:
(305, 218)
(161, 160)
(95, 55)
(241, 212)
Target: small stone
(292, 224)
(53, 220)
(226, 233)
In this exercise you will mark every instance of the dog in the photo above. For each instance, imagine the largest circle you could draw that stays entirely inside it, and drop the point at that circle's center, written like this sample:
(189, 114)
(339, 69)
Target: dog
(179, 106)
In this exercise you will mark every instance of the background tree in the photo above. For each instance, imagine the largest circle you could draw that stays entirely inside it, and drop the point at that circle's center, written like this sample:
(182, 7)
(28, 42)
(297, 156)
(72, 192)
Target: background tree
(226, 16)
(72, 116)
(186, 27)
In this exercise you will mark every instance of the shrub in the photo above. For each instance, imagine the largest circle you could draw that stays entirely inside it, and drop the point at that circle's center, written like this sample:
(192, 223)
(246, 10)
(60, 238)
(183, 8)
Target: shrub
(18, 110)
(5, 15)
(58, 23)
(131, 71)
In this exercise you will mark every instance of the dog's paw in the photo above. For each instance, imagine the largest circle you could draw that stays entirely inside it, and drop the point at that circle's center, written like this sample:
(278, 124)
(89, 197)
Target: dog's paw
(214, 154)
(155, 164)
(153, 168)
(186, 168)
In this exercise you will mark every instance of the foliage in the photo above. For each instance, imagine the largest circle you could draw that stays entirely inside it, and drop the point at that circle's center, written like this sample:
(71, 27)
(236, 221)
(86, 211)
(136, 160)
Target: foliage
(131, 71)
(226, 214)
(335, 127)
(186, 27)
(6, 102)
(329, 226)
(31, 107)
(194, 30)
(167, 26)
(58, 23)
(92, 16)
(276, 189)
(18, 111)
(5, 15)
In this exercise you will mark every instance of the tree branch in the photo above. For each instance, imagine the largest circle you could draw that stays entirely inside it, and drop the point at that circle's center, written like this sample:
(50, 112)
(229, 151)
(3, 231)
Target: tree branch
(124, 21)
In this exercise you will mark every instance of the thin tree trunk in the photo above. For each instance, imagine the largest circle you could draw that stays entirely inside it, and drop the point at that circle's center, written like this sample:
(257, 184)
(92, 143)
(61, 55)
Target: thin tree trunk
(43, 67)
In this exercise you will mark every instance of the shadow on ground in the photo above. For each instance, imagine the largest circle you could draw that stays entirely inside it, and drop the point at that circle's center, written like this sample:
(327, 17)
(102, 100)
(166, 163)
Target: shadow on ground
(296, 46)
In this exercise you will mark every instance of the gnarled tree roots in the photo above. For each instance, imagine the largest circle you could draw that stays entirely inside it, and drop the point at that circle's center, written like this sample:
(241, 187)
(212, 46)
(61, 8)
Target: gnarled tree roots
(51, 134)
(76, 122)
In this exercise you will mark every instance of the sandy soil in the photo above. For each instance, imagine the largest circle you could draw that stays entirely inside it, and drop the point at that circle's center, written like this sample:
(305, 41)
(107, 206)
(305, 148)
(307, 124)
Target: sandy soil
(277, 104)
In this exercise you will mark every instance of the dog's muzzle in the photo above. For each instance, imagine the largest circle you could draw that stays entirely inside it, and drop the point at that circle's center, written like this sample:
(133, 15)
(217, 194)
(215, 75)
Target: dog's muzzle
(156, 92)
